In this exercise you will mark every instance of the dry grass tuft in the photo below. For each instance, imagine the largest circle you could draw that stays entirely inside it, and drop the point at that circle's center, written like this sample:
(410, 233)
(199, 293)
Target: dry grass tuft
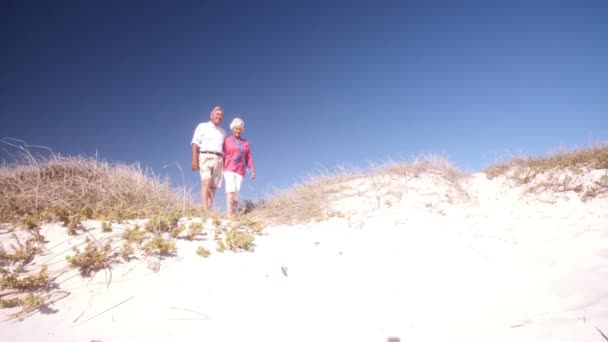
(425, 164)
(524, 169)
(310, 200)
(303, 202)
(59, 188)
(559, 172)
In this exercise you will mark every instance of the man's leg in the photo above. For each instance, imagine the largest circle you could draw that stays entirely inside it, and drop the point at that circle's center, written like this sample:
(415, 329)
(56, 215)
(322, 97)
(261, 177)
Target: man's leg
(212, 190)
(205, 193)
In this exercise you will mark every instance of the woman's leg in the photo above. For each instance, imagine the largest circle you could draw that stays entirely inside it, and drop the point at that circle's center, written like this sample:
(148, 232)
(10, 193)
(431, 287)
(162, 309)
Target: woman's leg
(231, 203)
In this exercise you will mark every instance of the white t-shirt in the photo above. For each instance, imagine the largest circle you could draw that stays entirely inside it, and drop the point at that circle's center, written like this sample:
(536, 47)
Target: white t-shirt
(209, 137)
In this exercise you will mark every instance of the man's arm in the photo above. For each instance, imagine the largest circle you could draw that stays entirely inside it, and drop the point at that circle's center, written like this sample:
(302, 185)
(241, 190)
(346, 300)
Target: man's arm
(195, 154)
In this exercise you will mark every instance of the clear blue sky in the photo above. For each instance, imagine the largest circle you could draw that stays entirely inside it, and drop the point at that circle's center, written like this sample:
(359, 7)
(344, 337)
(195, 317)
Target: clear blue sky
(318, 83)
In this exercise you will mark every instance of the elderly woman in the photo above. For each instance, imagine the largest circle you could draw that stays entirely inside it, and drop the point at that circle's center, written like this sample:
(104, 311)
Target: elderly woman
(237, 157)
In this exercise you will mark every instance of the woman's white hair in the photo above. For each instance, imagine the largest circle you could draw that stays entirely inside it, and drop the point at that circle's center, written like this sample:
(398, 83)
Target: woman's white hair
(237, 123)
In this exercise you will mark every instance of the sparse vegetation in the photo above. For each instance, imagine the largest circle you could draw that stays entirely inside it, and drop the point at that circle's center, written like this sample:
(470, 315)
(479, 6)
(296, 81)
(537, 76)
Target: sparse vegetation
(71, 190)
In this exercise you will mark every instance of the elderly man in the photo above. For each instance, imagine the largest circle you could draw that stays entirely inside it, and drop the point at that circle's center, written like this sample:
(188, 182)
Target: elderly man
(208, 155)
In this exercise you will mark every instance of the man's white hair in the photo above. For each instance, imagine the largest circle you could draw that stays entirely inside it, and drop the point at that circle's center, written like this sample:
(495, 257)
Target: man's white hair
(217, 108)
(237, 122)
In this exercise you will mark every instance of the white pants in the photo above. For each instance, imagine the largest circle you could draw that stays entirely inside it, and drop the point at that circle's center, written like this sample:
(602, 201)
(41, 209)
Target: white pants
(233, 182)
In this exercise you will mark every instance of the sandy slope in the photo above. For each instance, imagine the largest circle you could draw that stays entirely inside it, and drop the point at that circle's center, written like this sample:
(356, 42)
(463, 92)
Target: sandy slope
(417, 259)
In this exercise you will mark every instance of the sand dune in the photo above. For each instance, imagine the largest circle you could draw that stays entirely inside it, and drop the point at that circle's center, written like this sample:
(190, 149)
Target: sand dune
(420, 258)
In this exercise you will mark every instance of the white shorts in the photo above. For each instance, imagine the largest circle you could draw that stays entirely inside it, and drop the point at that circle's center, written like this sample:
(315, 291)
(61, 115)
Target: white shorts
(233, 181)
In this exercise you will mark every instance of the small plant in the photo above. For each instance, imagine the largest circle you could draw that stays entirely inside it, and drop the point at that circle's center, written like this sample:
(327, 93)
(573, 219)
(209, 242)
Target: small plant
(195, 229)
(162, 223)
(134, 235)
(106, 226)
(31, 222)
(9, 303)
(221, 247)
(217, 233)
(177, 230)
(237, 239)
(202, 251)
(31, 303)
(22, 253)
(94, 257)
(29, 283)
(73, 223)
(126, 251)
(257, 227)
(160, 245)
(217, 222)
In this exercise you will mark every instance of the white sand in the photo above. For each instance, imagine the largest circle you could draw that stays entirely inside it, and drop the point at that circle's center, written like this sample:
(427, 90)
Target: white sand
(417, 260)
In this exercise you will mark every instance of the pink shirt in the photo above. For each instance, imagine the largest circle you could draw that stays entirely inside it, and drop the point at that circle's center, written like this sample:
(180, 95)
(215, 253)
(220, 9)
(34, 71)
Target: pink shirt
(233, 160)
